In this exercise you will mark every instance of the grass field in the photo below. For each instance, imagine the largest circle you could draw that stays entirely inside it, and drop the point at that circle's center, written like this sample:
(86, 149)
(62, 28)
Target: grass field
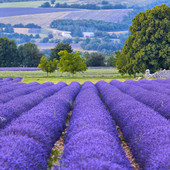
(93, 75)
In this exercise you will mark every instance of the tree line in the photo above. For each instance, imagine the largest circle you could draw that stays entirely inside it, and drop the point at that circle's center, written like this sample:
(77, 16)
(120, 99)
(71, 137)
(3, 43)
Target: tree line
(106, 5)
(77, 27)
(28, 55)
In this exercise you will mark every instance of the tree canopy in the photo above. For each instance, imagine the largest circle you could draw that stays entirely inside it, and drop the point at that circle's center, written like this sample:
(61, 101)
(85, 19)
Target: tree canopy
(47, 66)
(29, 55)
(148, 45)
(60, 47)
(71, 62)
(8, 53)
(94, 59)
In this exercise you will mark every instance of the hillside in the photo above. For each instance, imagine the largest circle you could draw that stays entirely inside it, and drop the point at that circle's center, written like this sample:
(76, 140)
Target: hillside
(128, 2)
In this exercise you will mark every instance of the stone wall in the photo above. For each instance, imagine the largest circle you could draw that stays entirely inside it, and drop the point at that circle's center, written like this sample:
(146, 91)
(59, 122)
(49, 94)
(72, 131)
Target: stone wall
(159, 74)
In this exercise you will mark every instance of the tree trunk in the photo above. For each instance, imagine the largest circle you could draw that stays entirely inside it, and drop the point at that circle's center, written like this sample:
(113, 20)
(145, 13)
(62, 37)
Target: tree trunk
(134, 75)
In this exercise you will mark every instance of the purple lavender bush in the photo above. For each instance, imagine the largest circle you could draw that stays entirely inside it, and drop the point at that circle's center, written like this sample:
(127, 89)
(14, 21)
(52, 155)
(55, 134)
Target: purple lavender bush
(152, 82)
(19, 69)
(7, 79)
(92, 139)
(17, 79)
(159, 102)
(146, 132)
(31, 87)
(167, 81)
(11, 87)
(151, 87)
(31, 137)
(16, 107)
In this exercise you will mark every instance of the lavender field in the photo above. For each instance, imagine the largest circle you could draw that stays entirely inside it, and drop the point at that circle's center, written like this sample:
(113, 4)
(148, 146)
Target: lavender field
(6, 12)
(44, 16)
(98, 126)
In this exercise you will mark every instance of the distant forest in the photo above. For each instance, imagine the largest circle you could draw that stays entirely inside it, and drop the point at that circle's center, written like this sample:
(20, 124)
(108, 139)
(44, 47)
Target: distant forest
(76, 27)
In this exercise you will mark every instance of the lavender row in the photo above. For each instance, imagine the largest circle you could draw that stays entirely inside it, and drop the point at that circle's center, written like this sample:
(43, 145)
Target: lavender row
(19, 69)
(31, 137)
(159, 102)
(146, 132)
(151, 87)
(92, 139)
(16, 107)
(164, 85)
(167, 81)
(27, 89)
(11, 87)
(9, 80)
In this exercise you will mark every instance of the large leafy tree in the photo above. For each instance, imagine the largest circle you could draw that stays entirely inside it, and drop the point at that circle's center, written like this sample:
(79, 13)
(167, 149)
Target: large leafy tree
(71, 62)
(148, 45)
(8, 53)
(29, 54)
(47, 66)
(60, 47)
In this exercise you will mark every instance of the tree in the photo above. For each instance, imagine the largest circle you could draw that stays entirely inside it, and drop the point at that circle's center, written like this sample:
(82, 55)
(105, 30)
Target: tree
(60, 47)
(46, 5)
(47, 66)
(52, 1)
(111, 61)
(148, 45)
(94, 59)
(8, 53)
(71, 62)
(30, 55)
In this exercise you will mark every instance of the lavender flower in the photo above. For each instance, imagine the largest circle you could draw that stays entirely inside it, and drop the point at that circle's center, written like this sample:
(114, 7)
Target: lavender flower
(151, 87)
(159, 102)
(92, 139)
(145, 130)
(14, 108)
(31, 136)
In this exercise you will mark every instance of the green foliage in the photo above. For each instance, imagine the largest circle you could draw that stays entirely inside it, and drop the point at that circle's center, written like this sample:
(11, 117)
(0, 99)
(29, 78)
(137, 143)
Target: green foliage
(71, 62)
(60, 47)
(94, 59)
(111, 61)
(8, 53)
(48, 66)
(46, 5)
(79, 26)
(52, 1)
(148, 45)
(29, 55)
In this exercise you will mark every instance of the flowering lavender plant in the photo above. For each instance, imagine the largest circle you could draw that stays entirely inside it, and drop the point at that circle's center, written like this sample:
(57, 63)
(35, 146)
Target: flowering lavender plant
(18, 105)
(31, 137)
(145, 130)
(150, 86)
(159, 102)
(92, 139)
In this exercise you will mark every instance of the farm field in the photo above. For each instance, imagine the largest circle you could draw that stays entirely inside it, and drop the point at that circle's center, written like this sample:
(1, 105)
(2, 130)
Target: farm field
(6, 12)
(32, 4)
(43, 18)
(94, 121)
(93, 75)
(36, 4)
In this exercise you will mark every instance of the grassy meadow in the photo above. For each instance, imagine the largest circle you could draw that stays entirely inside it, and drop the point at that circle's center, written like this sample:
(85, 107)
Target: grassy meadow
(93, 75)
